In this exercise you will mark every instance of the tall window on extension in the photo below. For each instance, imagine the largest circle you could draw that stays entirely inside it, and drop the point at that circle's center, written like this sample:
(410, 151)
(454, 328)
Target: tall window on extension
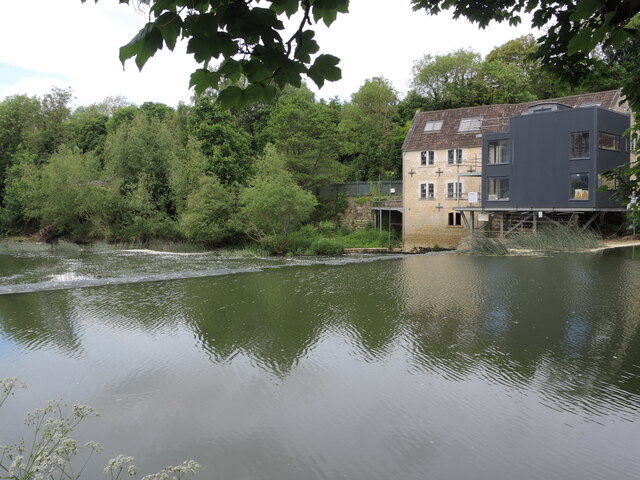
(579, 186)
(499, 151)
(498, 188)
(608, 141)
(580, 145)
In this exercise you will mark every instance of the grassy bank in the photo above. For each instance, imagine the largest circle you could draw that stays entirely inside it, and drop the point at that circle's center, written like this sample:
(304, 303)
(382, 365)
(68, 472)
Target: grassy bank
(323, 239)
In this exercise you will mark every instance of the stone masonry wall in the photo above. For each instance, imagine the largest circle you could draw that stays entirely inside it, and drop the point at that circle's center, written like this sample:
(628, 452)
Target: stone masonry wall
(356, 216)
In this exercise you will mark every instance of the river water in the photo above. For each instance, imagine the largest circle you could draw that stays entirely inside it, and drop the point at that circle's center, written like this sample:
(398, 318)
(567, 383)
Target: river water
(405, 367)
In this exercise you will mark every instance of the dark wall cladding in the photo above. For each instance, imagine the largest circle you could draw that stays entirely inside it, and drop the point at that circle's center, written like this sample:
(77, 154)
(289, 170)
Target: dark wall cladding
(542, 173)
(361, 189)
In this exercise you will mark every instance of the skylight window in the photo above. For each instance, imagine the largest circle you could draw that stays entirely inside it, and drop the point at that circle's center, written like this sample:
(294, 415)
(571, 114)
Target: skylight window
(435, 126)
(470, 124)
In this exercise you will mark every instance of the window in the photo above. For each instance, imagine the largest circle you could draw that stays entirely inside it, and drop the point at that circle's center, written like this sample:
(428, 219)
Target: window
(459, 155)
(498, 151)
(450, 157)
(434, 126)
(498, 188)
(579, 186)
(580, 145)
(427, 157)
(454, 190)
(427, 190)
(610, 183)
(470, 124)
(608, 141)
(455, 218)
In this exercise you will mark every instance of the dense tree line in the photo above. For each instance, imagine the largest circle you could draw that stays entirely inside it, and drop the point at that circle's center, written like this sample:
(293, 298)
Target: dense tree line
(121, 172)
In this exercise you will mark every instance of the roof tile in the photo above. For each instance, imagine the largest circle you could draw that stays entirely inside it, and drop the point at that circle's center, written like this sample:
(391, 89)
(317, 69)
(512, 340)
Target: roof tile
(495, 118)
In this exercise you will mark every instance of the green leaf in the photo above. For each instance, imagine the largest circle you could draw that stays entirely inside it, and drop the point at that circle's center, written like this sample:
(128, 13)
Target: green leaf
(230, 97)
(160, 6)
(143, 46)
(255, 71)
(231, 69)
(287, 6)
(205, 47)
(324, 68)
(253, 94)
(618, 37)
(327, 10)
(170, 26)
(585, 9)
(202, 79)
(306, 46)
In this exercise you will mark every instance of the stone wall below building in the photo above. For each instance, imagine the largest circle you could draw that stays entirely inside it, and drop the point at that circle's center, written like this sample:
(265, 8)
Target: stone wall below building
(357, 215)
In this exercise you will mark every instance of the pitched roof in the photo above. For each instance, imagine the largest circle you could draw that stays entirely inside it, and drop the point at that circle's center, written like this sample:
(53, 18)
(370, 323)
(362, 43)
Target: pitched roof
(495, 118)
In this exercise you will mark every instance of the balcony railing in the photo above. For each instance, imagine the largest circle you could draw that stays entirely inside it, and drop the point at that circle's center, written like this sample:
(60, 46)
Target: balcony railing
(394, 202)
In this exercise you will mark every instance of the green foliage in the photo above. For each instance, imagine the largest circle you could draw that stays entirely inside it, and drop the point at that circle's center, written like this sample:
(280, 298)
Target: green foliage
(370, 238)
(88, 129)
(304, 133)
(487, 246)
(71, 196)
(143, 218)
(326, 246)
(143, 146)
(326, 239)
(20, 195)
(226, 146)
(51, 453)
(228, 30)
(448, 81)
(368, 127)
(274, 205)
(206, 218)
(555, 238)
(185, 171)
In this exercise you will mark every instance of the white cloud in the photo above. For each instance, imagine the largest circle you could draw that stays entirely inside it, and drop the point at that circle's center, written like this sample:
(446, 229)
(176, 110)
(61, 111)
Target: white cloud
(81, 42)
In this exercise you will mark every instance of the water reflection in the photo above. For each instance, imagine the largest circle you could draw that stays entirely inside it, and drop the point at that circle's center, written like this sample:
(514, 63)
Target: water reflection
(417, 362)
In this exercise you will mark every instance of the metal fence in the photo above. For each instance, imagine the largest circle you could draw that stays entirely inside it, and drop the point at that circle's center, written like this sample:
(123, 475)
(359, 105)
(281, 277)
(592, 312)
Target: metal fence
(360, 189)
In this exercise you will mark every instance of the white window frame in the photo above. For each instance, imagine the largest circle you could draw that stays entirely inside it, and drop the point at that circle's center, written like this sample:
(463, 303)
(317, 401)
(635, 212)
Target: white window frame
(433, 126)
(471, 124)
(429, 192)
(454, 190)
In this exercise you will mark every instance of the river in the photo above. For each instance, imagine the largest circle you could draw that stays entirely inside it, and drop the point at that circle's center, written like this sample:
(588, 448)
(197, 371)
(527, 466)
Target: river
(432, 366)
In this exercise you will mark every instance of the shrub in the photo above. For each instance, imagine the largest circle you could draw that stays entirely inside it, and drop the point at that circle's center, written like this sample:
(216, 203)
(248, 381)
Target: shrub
(370, 238)
(326, 246)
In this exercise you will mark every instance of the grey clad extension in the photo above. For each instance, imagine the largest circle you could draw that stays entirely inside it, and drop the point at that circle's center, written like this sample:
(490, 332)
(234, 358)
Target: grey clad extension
(551, 158)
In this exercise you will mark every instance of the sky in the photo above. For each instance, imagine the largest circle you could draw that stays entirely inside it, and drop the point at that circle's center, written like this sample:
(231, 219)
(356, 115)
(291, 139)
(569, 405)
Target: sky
(65, 43)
